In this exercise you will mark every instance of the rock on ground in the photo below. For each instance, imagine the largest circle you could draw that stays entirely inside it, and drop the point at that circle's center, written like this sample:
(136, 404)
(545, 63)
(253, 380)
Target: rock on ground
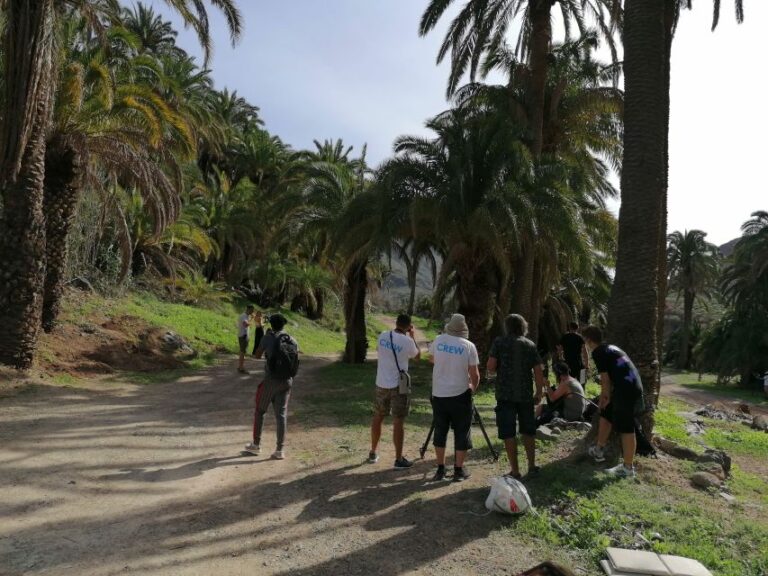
(705, 480)
(760, 422)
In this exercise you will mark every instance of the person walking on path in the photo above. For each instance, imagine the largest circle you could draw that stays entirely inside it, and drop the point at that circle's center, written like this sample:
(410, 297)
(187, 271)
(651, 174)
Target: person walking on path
(455, 378)
(621, 398)
(281, 351)
(258, 330)
(395, 349)
(574, 352)
(516, 361)
(243, 323)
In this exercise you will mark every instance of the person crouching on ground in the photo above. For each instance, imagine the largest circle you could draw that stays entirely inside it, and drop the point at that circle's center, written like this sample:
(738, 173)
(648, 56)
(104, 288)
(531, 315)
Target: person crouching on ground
(567, 399)
(516, 361)
(455, 379)
(621, 398)
(280, 350)
(395, 349)
(243, 323)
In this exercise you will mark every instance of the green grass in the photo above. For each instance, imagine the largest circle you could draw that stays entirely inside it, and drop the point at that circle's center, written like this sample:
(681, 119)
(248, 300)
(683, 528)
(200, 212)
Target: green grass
(430, 328)
(209, 331)
(580, 508)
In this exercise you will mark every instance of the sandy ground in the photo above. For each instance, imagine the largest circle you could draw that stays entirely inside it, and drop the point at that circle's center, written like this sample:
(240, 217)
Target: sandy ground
(118, 478)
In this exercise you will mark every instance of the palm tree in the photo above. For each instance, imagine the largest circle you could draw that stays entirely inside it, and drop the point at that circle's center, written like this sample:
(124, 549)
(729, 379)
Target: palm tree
(745, 278)
(637, 294)
(29, 87)
(693, 265)
(633, 308)
(105, 126)
(467, 197)
(582, 137)
(414, 254)
(482, 26)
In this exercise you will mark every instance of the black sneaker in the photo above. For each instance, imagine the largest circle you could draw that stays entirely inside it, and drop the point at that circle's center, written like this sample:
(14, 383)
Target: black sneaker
(403, 463)
(439, 475)
(461, 474)
(533, 472)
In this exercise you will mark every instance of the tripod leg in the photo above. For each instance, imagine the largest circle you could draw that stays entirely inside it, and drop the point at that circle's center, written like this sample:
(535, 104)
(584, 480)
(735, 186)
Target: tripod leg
(479, 420)
(426, 442)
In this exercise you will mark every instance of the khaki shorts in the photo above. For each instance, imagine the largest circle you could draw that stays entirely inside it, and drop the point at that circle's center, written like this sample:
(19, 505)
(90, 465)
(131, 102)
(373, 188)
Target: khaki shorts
(390, 400)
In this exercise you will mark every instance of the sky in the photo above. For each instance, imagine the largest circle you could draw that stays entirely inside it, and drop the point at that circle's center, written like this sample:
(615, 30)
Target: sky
(358, 70)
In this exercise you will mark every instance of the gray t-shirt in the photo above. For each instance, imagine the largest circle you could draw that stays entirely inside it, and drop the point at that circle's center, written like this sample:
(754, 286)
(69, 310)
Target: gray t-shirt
(574, 403)
(516, 359)
(267, 344)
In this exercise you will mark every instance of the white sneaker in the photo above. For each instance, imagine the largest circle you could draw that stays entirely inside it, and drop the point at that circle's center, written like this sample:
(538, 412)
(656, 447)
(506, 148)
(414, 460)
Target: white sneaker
(252, 448)
(596, 453)
(621, 471)
(278, 455)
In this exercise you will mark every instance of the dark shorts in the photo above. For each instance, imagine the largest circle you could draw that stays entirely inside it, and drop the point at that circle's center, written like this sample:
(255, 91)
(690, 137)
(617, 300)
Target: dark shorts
(389, 400)
(622, 409)
(453, 412)
(243, 341)
(511, 414)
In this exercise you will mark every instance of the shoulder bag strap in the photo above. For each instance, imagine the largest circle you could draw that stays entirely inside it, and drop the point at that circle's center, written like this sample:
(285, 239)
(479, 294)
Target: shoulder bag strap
(392, 342)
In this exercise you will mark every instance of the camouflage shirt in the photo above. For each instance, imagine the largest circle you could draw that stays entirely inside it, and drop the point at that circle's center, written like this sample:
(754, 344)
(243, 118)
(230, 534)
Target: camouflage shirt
(516, 358)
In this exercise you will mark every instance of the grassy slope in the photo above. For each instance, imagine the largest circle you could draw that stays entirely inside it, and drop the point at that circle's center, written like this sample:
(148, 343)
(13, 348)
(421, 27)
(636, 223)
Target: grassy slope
(585, 510)
(208, 330)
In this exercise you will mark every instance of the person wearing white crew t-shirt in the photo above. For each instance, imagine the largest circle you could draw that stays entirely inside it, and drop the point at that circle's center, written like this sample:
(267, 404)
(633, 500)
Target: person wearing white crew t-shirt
(455, 378)
(395, 348)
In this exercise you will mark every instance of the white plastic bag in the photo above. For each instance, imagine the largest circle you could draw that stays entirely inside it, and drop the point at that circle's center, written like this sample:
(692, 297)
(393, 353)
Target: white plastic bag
(508, 496)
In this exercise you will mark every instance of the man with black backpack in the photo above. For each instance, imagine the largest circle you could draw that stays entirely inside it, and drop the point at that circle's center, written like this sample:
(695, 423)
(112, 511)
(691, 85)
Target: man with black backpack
(282, 354)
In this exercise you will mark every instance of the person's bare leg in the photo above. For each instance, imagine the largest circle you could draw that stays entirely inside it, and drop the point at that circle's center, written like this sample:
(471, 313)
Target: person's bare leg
(530, 450)
(459, 458)
(603, 432)
(440, 455)
(241, 361)
(376, 431)
(628, 448)
(398, 436)
(510, 444)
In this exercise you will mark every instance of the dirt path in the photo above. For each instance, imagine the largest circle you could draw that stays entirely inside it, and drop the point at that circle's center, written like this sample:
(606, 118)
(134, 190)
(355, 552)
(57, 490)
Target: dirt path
(128, 479)
(389, 322)
(700, 397)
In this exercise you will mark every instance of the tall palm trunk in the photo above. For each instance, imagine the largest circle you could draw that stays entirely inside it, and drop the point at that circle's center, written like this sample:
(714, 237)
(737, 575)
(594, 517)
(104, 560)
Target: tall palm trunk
(475, 292)
(685, 335)
(537, 297)
(412, 294)
(634, 303)
(63, 182)
(25, 118)
(541, 40)
(522, 293)
(670, 15)
(354, 313)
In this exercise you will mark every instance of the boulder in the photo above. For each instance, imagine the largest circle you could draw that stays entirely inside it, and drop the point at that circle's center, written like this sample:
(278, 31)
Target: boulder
(82, 284)
(545, 433)
(705, 480)
(717, 456)
(713, 468)
(172, 342)
(760, 422)
(674, 449)
(731, 499)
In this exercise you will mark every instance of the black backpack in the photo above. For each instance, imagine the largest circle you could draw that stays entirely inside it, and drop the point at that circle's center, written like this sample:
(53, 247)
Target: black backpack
(283, 362)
